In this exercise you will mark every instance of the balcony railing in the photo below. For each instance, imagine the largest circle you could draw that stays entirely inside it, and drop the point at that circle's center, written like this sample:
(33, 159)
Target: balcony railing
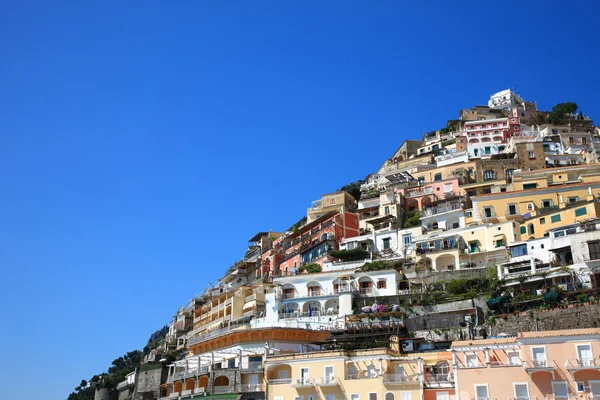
(303, 382)
(360, 375)
(419, 192)
(440, 209)
(327, 381)
(253, 366)
(216, 333)
(253, 388)
(400, 379)
(585, 363)
(437, 380)
(284, 381)
(539, 365)
(365, 291)
(187, 392)
(221, 389)
(250, 298)
(507, 363)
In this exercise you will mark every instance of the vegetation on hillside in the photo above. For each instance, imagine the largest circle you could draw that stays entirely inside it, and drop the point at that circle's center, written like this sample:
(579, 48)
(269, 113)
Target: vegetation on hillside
(353, 188)
(118, 370)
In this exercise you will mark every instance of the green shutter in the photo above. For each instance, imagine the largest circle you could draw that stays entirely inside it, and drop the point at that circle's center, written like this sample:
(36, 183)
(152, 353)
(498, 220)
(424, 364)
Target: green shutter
(580, 211)
(530, 186)
(523, 230)
(555, 218)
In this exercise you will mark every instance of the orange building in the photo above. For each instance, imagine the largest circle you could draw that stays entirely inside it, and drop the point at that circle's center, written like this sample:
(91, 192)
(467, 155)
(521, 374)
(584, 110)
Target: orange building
(533, 365)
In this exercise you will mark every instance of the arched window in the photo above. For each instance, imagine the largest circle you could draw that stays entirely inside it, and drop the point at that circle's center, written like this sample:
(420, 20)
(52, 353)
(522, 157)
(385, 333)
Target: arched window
(324, 236)
(531, 229)
(434, 225)
(442, 368)
(389, 396)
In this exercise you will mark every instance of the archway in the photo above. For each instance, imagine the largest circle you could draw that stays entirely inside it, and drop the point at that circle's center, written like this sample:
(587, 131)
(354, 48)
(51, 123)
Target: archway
(288, 291)
(340, 286)
(446, 262)
(281, 373)
(190, 384)
(203, 382)
(288, 309)
(332, 306)
(312, 308)
(221, 384)
(313, 288)
(412, 205)
(178, 386)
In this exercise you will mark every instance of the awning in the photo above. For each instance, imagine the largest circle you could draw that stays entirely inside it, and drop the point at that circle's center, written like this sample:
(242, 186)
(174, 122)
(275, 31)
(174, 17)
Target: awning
(250, 304)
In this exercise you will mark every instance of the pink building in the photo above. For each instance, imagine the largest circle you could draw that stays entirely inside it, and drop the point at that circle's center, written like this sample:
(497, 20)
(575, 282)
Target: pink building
(557, 365)
(416, 198)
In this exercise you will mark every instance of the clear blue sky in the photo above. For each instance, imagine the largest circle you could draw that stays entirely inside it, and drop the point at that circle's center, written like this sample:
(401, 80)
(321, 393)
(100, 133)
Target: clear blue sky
(142, 145)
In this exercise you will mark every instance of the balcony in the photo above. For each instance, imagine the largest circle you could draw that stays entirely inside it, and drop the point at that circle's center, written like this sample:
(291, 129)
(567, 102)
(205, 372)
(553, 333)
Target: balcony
(400, 379)
(303, 382)
(327, 381)
(438, 380)
(431, 211)
(285, 381)
(253, 366)
(216, 333)
(188, 392)
(253, 388)
(249, 313)
(418, 192)
(352, 375)
(532, 366)
(198, 318)
(574, 365)
(250, 298)
(507, 363)
(228, 301)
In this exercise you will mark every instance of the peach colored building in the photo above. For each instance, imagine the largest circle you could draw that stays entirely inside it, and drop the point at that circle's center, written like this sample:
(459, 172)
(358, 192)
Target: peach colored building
(532, 365)
(416, 198)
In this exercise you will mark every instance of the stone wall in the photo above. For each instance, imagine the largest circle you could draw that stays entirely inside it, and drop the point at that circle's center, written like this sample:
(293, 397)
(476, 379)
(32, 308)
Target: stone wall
(126, 393)
(564, 318)
(232, 374)
(148, 383)
(105, 394)
(434, 277)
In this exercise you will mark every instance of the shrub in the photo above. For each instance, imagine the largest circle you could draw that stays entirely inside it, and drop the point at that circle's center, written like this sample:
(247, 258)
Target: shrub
(310, 268)
(412, 220)
(375, 266)
(350, 255)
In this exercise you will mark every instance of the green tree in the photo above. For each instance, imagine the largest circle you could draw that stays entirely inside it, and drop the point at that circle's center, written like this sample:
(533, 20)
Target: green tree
(560, 110)
(353, 188)
(539, 119)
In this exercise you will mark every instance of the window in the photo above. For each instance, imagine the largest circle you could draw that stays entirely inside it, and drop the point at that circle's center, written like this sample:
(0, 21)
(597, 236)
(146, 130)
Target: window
(372, 396)
(487, 190)
(580, 386)
(555, 218)
(580, 211)
(560, 389)
(471, 193)
(278, 398)
(529, 186)
(531, 155)
(442, 396)
(298, 397)
(487, 150)
(481, 392)
(354, 396)
(381, 284)
(571, 140)
(437, 177)
(513, 358)
(542, 221)
(329, 397)
(509, 173)
(538, 354)
(517, 251)
(488, 175)
(521, 391)
(386, 243)
(471, 361)
(434, 225)
(386, 210)
(531, 229)
(469, 214)
(547, 203)
(594, 250)
(584, 354)
(488, 212)
(447, 188)
(405, 395)
(406, 239)
(512, 209)
(572, 199)
(442, 368)
(583, 140)
(389, 396)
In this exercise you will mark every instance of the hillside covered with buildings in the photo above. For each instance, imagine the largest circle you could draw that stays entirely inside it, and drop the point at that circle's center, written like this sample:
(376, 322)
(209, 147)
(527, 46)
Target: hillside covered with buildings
(424, 280)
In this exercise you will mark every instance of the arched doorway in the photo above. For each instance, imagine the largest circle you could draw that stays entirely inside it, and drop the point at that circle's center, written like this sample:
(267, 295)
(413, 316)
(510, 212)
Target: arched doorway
(221, 384)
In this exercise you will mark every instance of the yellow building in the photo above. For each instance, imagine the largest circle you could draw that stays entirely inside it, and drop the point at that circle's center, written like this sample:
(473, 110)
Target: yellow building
(377, 374)
(531, 201)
